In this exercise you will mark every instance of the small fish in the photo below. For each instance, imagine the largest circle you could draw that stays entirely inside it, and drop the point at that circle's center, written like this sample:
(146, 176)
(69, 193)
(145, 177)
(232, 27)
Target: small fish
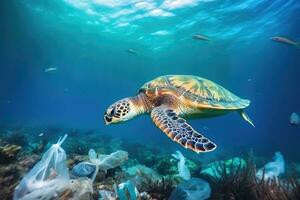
(200, 37)
(133, 51)
(50, 69)
(41, 134)
(285, 41)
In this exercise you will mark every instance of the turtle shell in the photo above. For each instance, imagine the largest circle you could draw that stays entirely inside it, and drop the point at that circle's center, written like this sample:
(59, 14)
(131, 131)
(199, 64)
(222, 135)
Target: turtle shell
(195, 91)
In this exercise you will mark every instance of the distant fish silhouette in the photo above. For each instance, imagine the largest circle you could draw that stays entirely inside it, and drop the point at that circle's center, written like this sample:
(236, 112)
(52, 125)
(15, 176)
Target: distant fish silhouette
(50, 69)
(201, 37)
(285, 41)
(133, 51)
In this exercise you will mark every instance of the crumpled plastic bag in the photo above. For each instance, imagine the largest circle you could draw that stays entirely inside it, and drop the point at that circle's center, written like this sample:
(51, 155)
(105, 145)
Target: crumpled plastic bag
(183, 171)
(272, 169)
(47, 177)
(99, 162)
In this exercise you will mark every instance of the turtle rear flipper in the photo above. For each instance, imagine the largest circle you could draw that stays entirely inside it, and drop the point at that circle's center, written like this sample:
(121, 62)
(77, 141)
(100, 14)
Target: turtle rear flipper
(246, 117)
(180, 131)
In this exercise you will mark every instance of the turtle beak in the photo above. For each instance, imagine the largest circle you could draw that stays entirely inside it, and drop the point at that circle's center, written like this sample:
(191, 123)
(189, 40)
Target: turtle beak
(107, 119)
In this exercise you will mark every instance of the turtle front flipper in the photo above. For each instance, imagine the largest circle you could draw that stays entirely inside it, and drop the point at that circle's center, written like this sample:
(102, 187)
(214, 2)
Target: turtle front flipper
(180, 131)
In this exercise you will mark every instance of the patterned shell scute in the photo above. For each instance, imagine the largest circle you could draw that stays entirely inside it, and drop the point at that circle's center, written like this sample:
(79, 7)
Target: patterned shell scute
(199, 91)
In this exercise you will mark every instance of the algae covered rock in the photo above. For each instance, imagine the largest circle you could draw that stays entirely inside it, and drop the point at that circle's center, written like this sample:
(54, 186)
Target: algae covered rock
(230, 164)
(193, 189)
(9, 152)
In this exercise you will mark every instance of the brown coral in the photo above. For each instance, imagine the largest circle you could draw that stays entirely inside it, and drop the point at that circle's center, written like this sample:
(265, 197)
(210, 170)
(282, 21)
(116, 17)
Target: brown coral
(9, 152)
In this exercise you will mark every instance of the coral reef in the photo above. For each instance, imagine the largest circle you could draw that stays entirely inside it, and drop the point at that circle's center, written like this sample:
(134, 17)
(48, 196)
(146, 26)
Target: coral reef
(242, 183)
(9, 152)
(194, 188)
(159, 189)
(153, 171)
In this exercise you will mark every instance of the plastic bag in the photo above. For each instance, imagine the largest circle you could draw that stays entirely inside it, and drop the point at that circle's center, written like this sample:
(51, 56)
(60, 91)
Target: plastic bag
(272, 169)
(47, 177)
(99, 162)
(183, 171)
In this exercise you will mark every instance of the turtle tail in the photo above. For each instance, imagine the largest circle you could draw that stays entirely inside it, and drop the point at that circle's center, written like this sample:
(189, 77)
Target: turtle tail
(246, 117)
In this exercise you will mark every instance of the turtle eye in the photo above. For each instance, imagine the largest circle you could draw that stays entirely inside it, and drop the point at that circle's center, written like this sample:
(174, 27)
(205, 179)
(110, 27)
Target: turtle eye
(113, 112)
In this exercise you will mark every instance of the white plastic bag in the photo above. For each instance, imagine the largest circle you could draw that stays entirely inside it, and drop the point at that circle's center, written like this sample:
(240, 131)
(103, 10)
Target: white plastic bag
(47, 177)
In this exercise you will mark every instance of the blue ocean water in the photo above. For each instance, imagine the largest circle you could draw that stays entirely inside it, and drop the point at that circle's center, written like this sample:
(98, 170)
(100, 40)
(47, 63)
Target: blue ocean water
(87, 42)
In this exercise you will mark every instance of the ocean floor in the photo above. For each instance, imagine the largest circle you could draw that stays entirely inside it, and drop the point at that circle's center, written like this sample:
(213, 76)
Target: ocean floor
(86, 167)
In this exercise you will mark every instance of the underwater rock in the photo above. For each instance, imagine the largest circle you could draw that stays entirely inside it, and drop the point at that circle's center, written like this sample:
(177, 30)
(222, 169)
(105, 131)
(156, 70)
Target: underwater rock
(82, 189)
(142, 170)
(9, 176)
(9, 152)
(193, 189)
(213, 168)
(294, 119)
(183, 171)
(29, 160)
(272, 169)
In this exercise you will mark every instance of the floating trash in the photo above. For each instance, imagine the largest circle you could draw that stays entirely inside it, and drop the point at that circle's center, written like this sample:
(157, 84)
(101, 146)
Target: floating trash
(99, 162)
(294, 119)
(183, 171)
(84, 169)
(272, 169)
(47, 177)
(126, 191)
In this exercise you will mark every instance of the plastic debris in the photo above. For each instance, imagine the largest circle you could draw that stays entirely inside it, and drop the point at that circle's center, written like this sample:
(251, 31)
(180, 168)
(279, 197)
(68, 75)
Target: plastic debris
(99, 162)
(47, 177)
(213, 168)
(183, 171)
(294, 119)
(113, 160)
(272, 169)
(106, 195)
(193, 189)
(84, 169)
(126, 191)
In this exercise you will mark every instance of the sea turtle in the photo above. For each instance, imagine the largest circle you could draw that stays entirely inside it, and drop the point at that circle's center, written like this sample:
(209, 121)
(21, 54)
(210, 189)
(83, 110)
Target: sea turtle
(171, 99)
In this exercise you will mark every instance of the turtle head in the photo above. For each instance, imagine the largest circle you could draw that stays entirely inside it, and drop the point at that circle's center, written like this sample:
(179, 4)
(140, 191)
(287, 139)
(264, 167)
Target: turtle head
(121, 111)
